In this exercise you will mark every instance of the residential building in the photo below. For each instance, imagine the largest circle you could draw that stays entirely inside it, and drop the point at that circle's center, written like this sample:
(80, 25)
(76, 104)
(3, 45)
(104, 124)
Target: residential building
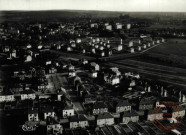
(48, 112)
(105, 119)
(99, 108)
(68, 111)
(123, 106)
(78, 121)
(94, 66)
(33, 115)
(53, 126)
(130, 116)
(27, 94)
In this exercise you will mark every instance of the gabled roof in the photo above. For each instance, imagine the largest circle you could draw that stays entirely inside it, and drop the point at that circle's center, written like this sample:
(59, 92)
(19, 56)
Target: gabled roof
(82, 118)
(51, 121)
(78, 118)
(105, 115)
(123, 103)
(99, 105)
(33, 111)
(130, 114)
(68, 108)
(27, 92)
(48, 109)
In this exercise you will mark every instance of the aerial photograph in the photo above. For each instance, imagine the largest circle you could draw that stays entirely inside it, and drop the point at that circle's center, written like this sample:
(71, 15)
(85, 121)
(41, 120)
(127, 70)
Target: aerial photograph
(92, 67)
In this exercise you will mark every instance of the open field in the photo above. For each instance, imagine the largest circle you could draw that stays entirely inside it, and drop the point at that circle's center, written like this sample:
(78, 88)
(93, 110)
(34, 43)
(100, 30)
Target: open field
(172, 53)
(173, 46)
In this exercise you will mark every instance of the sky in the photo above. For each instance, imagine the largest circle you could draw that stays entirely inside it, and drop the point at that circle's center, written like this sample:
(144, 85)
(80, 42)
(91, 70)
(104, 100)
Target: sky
(103, 5)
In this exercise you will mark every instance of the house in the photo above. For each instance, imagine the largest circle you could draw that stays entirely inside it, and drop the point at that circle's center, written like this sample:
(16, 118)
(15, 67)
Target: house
(118, 26)
(108, 52)
(69, 49)
(78, 40)
(68, 111)
(108, 27)
(92, 74)
(99, 108)
(52, 70)
(100, 53)
(131, 50)
(6, 97)
(146, 104)
(70, 67)
(123, 106)
(128, 43)
(94, 25)
(105, 119)
(27, 94)
(28, 58)
(154, 115)
(78, 121)
(94, 66)
(128, 26)
(72, 73)
(33, 115)
(53, 127)
(118, 47)
(178, 111)
(112, 79)
(12, 54)
(48, 112)
(130, 116)
(114, 71)
(83, 122)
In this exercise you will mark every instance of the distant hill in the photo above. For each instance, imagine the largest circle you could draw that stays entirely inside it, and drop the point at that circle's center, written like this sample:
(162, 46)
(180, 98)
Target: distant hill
(61, 15)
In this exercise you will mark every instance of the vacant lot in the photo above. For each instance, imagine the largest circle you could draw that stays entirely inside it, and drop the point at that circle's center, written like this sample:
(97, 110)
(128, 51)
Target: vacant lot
(173, 46)
(172, 53)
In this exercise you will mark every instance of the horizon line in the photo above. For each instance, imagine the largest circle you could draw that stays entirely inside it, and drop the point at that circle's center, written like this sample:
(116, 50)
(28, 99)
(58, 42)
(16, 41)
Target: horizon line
(92, 10)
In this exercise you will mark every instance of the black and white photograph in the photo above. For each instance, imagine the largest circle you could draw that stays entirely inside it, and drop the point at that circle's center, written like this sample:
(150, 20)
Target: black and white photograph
(92, 67)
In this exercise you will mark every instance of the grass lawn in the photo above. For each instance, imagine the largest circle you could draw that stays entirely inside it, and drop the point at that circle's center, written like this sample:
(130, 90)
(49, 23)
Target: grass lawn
(173, 46)
(172, 53)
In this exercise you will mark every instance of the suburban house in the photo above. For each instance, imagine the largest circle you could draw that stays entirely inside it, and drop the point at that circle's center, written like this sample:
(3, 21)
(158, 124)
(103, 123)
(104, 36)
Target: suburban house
(154, 115)
(146, 104)
(53, 126)
(72, 73)
(27, 94)
(6, 97)
(123, 106)
(114, 70)
(48, 112)
(105, 119)
(94, 66)
(128, 43)
(78, 121)
(92, 74)
(68, 111)
(112, 79)
(99, 107)
(130, 116)
(28, 58)
(33, 114)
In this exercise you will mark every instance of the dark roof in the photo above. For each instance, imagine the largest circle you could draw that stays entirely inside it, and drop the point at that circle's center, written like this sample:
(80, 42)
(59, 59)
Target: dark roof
(74, 119)
(98, 105)
(82, 118)
(105, 115)
(51, 121)
(27, 92)
(32, 111)
(130, 114)
(123, 103)
(47, 109)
